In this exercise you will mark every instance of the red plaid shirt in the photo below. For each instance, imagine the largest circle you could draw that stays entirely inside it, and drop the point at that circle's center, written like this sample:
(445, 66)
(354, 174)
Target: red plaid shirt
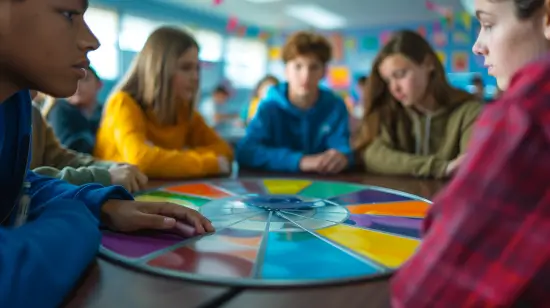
(487, 237)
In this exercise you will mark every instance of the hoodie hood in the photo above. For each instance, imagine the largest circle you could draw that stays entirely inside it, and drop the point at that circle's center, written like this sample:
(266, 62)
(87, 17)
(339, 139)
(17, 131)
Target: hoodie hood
(423, 124)
(279, 95)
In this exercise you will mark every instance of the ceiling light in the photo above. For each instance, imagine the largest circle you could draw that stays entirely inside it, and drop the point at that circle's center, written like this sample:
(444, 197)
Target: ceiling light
(316, 16)
(263, 1)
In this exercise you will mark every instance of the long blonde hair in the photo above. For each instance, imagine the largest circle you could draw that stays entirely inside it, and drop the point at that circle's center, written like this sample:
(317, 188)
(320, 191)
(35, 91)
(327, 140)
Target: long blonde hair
(149, 79)
(381, 109)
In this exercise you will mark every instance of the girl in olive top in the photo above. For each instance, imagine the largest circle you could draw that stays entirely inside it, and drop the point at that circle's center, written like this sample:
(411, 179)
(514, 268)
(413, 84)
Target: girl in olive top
(150, 120)
(415, 123)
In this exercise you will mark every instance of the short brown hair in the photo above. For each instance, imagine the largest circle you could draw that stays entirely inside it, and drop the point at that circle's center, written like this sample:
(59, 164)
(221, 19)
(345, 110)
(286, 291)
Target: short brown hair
(304, 43)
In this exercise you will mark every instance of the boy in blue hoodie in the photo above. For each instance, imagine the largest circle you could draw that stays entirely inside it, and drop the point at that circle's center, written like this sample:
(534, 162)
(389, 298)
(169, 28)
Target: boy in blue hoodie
(299, 126)
(49, 229)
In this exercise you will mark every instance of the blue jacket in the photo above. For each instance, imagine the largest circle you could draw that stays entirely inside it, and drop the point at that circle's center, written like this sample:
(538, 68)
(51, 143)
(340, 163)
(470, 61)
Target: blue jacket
(41, 261)
(281, 134)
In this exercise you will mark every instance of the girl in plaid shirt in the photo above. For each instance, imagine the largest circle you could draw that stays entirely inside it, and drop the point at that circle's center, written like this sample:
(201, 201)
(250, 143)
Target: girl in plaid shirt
(486, 237)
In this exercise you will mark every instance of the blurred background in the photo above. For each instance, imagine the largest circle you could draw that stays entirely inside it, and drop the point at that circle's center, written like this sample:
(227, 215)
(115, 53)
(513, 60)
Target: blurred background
(241, 40)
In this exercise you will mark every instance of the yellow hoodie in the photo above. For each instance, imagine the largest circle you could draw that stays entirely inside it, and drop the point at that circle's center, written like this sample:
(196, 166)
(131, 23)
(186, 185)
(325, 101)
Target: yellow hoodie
(188, 149)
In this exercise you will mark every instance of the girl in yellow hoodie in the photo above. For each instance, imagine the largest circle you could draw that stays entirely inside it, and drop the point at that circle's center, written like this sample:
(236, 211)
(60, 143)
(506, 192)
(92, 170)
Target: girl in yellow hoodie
(150, 120)
(415, 123)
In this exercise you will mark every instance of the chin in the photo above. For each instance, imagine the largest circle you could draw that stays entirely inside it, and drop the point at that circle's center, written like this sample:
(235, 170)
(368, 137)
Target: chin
(60, 89)
(406, 103)
(502, 83)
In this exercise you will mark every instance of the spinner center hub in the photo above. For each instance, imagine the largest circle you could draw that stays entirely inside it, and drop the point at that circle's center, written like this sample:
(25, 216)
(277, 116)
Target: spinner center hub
(281, 202)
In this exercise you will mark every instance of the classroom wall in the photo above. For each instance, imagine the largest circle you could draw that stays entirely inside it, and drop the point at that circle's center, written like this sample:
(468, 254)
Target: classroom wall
(355, 49)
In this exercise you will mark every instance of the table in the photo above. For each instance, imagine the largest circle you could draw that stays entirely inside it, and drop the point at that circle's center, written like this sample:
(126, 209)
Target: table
(109, 285)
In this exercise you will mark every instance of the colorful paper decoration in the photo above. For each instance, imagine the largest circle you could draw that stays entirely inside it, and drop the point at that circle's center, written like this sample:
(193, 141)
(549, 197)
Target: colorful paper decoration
(442, 57)
(232, 23)
(439, 38)
(447, 21)
(436, 26)
(275, 53)
(460, 38)
(264, 35)
(439, 9)
(252, 32)
(422, 31)
(369, 43)
(460, 61)
(385, 37)
(466, 19)
(339, 77)
(350, 44)
(241, 30)
(217, 2)
(337, 46)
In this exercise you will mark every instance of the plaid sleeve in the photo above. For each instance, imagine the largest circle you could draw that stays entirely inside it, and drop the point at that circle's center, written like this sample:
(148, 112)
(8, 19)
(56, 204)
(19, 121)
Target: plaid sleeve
(487, 234)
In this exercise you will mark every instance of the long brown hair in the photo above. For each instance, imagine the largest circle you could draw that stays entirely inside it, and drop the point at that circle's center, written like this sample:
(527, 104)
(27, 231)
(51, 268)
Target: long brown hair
(149, 79)
(381, 109)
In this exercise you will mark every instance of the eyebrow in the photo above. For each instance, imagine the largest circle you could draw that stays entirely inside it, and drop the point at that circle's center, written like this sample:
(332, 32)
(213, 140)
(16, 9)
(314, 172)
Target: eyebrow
(479, 13)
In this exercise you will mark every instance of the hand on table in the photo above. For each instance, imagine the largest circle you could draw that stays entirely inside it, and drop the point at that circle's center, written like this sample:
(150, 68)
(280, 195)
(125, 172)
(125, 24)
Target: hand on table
(330, 161)
(129, 177)
(128, 216)
(454, 165)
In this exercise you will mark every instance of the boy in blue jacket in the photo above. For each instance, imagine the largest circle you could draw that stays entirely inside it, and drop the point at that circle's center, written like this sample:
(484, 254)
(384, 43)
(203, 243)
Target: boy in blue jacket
(299, 126)
(49, 230)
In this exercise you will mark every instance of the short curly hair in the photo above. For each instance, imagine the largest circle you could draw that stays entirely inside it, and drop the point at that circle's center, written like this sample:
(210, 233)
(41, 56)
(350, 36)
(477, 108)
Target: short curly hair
(305, 43)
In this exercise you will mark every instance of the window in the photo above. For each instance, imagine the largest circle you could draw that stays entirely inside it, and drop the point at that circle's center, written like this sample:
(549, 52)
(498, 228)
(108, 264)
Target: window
(135, 31)
(104, 24)
(210, 43)
(277, 69)
(245, 61)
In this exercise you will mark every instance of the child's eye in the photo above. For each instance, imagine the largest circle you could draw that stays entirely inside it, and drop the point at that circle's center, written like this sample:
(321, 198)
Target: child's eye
(399, 74)
(485, 26)
(69, 14)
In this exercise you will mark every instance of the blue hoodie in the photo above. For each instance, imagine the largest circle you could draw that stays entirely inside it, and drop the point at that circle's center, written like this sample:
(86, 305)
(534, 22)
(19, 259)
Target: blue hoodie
(281, 134)
(41, 261)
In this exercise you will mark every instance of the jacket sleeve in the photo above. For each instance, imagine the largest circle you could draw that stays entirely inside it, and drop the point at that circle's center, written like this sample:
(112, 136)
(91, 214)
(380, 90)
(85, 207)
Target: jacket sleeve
(44, 189)
(59, 162)
(381, 157)
(37, 269)
(205, 141)
(78, 176)
(340, 137)
(131, 140)
(254, 150)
